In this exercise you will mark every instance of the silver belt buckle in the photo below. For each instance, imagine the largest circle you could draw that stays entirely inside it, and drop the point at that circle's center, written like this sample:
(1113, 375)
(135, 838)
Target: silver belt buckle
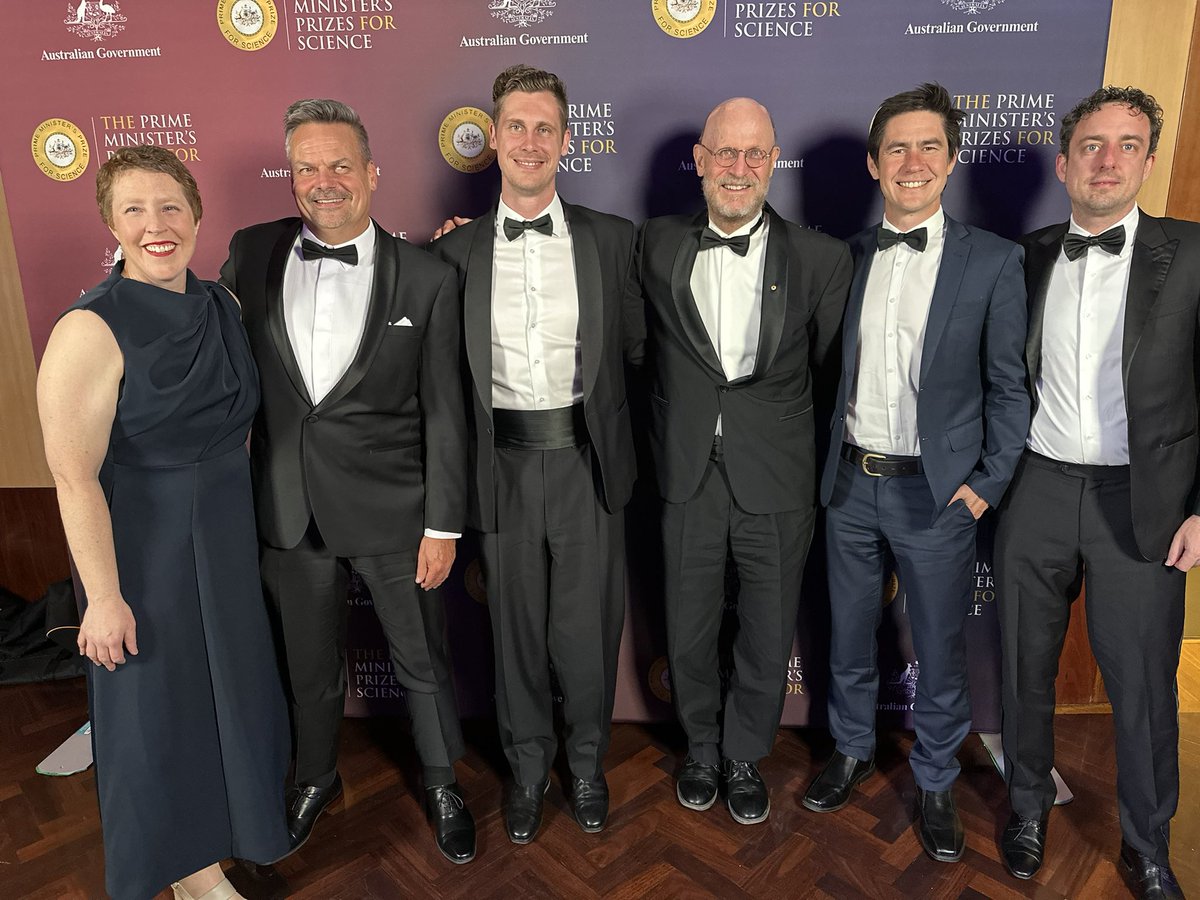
(870, 456)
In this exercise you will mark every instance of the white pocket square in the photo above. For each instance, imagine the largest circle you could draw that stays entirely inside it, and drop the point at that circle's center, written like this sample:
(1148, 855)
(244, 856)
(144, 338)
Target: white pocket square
(405, 321)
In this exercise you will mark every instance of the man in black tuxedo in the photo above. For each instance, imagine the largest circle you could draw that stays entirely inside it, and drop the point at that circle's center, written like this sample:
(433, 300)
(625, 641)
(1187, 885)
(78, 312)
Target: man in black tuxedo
(547, 320)
(1107, 486)
(930, 417)
(743, 310)
(358, 453)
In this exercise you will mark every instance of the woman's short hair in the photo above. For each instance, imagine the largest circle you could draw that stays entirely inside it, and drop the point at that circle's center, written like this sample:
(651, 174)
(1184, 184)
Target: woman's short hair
(147, 159)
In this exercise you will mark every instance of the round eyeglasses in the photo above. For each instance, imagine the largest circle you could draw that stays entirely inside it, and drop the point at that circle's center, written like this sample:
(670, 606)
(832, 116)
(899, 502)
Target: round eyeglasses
(727, 156)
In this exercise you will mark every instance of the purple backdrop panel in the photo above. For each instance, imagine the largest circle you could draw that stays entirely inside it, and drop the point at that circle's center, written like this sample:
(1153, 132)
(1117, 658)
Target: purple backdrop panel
(210, 79)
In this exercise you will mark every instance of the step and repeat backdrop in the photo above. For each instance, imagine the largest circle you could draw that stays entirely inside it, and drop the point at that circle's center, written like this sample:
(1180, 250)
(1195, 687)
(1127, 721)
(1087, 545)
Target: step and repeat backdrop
(210, 80)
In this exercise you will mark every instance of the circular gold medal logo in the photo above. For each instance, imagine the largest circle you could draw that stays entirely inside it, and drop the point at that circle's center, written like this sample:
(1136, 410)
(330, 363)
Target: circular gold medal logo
(463, 139)
(247, 24)
(683, 18)
(659, 679)
(60, 149)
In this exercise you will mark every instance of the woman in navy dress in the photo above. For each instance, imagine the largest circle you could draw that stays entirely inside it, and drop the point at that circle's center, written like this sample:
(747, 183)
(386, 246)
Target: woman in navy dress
(146, 394)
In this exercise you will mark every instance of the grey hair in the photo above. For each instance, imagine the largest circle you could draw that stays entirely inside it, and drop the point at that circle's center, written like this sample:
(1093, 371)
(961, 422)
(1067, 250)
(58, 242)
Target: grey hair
(333, 112)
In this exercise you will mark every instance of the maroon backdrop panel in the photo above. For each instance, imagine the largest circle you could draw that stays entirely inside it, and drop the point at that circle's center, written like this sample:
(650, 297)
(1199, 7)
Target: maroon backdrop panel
(211, 78)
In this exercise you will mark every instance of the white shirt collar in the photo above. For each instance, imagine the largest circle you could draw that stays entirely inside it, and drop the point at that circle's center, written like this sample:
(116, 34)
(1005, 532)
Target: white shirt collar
(364, 243)
(745, 229)
(933, 225)
(554, 209)
(1130, 221)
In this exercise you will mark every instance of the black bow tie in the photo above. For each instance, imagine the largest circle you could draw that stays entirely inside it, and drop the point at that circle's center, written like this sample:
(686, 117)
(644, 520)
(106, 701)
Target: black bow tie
(1111, 241)
(917, 238)
(313, 250)
(739, 244)
(514, 228)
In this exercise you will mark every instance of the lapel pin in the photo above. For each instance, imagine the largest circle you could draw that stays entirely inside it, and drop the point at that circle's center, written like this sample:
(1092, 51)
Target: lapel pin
(774, 287)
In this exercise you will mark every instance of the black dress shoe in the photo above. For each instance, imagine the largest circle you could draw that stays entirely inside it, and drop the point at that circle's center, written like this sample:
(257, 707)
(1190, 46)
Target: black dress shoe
(746, 792)
(939, 826)
(696, 787)
(523, 815)
(1022, 845)
(589, 801)
(831, 789)
(1146, 878)
(308, 802)
(453, 825)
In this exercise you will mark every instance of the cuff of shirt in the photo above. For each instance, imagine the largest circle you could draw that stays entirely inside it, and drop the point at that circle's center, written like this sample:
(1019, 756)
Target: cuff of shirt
(441, 535)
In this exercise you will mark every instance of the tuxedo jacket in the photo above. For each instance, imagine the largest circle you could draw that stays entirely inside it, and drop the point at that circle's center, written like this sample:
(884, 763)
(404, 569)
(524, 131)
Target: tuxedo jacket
(972, 406)
(767, 417)
(1160, 367)
(383, 455)
(611, 330)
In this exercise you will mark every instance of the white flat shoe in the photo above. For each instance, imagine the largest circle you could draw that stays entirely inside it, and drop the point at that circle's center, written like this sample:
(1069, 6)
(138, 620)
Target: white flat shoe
(222, 890)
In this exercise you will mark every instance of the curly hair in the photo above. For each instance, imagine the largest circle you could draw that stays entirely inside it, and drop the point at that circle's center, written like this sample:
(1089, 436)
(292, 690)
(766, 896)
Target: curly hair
(1137, 100)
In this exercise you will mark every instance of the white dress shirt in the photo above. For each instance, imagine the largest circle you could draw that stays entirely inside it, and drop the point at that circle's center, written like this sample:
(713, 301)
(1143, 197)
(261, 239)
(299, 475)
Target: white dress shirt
(1080, 415)
(535, 316)
(325, 309)
(728, 292)
(881, 415)
(325, 305)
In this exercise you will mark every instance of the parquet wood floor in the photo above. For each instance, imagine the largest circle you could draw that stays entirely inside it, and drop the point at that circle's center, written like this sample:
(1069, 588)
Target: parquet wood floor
(374, 843)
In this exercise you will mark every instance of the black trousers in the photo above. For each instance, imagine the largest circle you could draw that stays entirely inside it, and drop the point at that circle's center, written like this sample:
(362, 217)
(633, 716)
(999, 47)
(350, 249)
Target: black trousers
(555, 575)
(769, 551)
(1058, 523)
(935, 557)
(306, 587)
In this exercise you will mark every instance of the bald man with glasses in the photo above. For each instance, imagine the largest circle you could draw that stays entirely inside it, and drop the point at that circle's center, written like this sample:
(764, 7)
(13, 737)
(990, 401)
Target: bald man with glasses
(742, 308)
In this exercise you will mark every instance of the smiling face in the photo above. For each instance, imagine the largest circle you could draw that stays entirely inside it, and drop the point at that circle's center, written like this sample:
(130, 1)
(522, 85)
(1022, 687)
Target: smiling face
(331, 180)
(914, 163)
(735, 194)
(1105, 165)
(154, 224)
(529, 139)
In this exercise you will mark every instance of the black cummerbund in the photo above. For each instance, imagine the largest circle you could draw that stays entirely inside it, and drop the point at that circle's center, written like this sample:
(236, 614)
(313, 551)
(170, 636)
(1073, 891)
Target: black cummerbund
(540, 429)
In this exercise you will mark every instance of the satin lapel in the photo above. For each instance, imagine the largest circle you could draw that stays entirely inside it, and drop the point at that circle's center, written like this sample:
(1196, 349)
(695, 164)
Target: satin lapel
(590, 291)
(275, 319)
(863, 248)
(477, 307)
(1152, 255)
(774, 294)
(1039, 264)
(685, 303)
(955, 251)
(384, 287)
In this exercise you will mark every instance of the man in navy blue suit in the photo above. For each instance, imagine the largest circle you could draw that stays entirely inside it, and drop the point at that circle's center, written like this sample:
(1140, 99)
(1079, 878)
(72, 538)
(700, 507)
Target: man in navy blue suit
(929, 422)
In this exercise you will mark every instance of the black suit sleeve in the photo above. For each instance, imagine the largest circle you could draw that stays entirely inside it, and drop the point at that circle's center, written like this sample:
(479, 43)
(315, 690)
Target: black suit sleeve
(440, 393)
(229, 268)
(825, 331)
(633, 325)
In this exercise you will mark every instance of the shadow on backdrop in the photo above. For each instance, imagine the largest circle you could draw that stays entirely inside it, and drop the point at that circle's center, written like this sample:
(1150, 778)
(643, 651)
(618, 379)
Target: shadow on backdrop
(671, 196)
(844, 199)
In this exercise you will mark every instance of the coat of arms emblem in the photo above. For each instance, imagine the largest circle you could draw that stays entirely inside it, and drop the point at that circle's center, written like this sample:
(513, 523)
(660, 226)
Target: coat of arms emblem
(521, 13)
(96, 20)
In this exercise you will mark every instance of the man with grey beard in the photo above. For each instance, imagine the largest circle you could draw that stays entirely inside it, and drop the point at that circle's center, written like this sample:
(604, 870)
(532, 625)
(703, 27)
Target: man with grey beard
(743, 309)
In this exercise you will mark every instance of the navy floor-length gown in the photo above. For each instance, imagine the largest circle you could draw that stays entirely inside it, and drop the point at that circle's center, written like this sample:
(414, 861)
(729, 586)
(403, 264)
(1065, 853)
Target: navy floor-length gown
(191, 735)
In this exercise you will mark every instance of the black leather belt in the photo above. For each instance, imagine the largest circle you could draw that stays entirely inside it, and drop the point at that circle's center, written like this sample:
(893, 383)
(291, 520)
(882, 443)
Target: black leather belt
(879, 464)
(540, 429)
(1077, 470)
